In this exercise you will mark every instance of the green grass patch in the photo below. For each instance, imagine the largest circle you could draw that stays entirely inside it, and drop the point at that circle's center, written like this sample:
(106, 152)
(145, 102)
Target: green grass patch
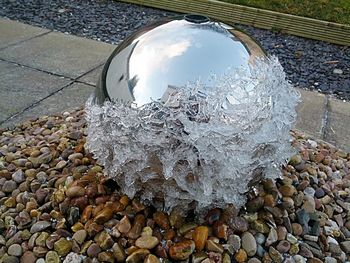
(329, 10)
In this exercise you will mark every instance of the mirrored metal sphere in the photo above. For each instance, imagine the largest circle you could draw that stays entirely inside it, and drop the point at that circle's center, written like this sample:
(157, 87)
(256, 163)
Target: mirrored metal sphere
(170, 53)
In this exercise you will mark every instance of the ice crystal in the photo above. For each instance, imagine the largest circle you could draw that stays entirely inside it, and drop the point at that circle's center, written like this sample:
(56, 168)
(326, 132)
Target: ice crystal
(203, 144)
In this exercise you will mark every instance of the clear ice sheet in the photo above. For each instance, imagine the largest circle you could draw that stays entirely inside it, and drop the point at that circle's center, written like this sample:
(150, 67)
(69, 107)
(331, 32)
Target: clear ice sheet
(207, 145)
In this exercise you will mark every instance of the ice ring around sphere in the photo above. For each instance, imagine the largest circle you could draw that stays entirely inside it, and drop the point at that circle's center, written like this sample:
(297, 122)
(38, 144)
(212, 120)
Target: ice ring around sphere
(191, 110)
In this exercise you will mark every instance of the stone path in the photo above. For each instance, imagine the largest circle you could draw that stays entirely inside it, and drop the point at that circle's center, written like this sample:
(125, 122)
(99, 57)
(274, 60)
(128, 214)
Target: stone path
(44, 72)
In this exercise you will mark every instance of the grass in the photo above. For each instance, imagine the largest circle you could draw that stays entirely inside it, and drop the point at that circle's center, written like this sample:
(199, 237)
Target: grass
(329, 10)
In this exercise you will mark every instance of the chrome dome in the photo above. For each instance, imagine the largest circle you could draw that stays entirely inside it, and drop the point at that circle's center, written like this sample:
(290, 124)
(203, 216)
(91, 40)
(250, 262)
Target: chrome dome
(170, 53)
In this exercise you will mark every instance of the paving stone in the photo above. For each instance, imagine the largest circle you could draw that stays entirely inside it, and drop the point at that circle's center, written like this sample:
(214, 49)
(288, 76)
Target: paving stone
(21, 87)
(69, 98)
(92, 77)
(311, 113)
(12, 32)
(59, 53)
(338, 127)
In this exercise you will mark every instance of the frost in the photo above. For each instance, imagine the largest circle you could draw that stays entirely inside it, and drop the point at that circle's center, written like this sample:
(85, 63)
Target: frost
(203, 144)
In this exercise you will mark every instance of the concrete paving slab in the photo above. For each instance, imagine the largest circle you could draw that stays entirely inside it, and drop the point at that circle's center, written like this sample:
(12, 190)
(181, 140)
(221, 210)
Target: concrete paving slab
(92, 77)
(311, 113)
(338, 127)
(21, 87)
(59, 53)
(68, 98)
(12, 32)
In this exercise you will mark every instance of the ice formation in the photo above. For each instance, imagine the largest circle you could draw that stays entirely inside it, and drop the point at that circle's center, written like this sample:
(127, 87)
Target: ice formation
(203, 144)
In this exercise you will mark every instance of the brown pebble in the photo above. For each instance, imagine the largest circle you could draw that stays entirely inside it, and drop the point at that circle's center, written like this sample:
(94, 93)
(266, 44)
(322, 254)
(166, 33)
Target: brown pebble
(138, 256)
(241, 256)
(124, 225)
(200, 236)
(220, 230)
(287, 190)
(148, 242)
(297, 229)
(138, 224)
(104, 215)
(181, 250)
(93, 250)
(151, 259)
(161, 220)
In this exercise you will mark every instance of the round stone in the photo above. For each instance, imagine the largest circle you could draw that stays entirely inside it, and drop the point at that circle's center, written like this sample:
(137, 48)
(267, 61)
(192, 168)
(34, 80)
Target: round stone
(249, 243)
(15, 250)
(9, 186)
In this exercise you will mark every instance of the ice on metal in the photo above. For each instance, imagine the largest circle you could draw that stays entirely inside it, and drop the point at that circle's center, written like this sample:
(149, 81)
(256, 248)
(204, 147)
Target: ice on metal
(199, 144)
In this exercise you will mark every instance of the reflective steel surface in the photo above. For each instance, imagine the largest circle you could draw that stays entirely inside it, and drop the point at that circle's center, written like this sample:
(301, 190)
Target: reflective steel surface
(168, 54)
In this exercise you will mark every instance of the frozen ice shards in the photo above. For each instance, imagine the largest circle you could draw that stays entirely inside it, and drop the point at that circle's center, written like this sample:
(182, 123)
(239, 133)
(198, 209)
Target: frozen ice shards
(207, 145)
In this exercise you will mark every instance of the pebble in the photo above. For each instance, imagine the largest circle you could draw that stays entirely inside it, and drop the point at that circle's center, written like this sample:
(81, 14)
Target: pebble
(292, 239)
(281, 232)
(15, 250)
(118, 252)
(151, 259)
(52, 257)
(75, 191)
(235, 241)
(104, 240)
(138, 256)
(299, 259)
(337, 71)
(73, 258)
(275, 255)
(80, 236)
(200, 236)
(249, 243)
(9, 186)
(28, 257)
(346, 246)
(62, 246)
(161, 219)
(272, 237)
(241, 256)
(181, 250)
(330, 260)
(18, 176)
(93, 250)
(39, 226)
(283, 246)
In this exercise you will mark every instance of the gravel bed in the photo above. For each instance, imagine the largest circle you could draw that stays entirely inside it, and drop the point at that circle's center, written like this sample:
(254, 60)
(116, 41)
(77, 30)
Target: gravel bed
(55, 204)
(309, 64)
